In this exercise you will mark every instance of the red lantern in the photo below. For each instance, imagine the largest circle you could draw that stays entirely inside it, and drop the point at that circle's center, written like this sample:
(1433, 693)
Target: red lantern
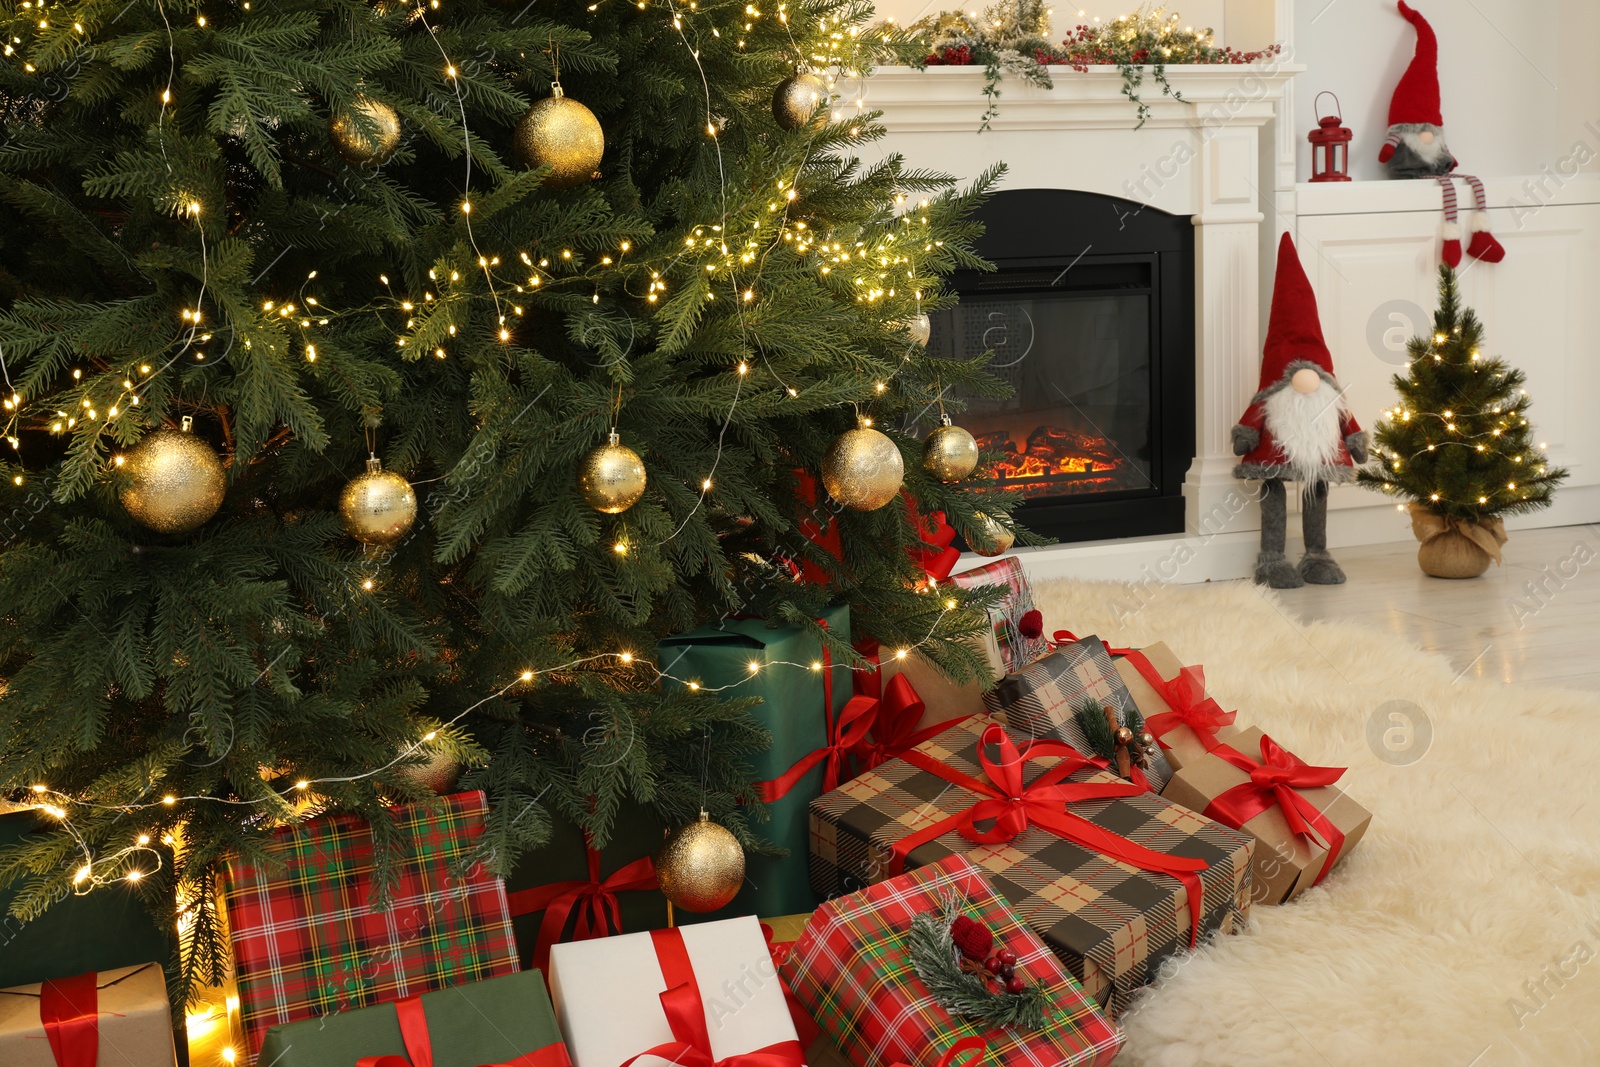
(1330, 145)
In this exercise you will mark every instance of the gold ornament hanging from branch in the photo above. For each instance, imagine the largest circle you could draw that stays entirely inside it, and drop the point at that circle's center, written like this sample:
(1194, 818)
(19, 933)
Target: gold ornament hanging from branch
(174, 480)
(920, 328)
(612, 477)
(700, 867)
(950, 453)
(863, 469)
(1001, 536)
(369, 146)
(797, 101)
(563, 133)
(377, 506)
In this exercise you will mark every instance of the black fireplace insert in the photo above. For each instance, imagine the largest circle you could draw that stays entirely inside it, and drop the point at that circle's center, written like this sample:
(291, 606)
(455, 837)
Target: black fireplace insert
(1090, 317)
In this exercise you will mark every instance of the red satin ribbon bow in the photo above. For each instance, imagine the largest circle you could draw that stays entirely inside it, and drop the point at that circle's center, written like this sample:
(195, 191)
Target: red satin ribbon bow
(1274, 780)
(1015, 807)
(686, 1015)
(69, 1008)
(599, 913)
(419, 1045)
(1185, 694)
(933, 553)
(970, 1043)
(895, 713)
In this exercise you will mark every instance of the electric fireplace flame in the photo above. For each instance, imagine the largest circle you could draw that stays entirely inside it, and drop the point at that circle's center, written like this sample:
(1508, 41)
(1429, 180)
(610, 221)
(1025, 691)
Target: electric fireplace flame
(1058, 462)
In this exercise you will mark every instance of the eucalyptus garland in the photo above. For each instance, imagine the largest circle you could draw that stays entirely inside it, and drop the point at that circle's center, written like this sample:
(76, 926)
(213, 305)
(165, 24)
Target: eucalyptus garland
(962, 990)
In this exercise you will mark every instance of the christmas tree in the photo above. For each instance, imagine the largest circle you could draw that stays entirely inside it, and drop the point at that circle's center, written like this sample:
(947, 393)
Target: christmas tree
(310, 232)
(1459, 444)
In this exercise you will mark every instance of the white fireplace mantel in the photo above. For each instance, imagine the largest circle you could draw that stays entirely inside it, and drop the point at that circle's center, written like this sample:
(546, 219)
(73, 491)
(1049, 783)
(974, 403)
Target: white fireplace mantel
(1219, 156)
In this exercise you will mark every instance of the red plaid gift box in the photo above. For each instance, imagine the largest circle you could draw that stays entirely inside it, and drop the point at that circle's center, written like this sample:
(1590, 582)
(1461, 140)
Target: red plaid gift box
(1006, 646)
(851, 969)
(308, 942)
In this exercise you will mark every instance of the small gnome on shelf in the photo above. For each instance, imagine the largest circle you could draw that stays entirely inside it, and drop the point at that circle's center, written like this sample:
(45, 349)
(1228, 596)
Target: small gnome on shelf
(1297, 428)
(1415, 147)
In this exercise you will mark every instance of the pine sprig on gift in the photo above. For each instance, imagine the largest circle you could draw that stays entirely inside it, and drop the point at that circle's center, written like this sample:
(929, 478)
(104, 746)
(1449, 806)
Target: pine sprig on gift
(1091, 717)
(963, 993)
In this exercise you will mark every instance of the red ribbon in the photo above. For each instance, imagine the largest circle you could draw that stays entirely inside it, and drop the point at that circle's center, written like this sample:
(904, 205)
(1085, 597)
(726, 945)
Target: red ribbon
(1014, 808)
(1274, 781)
(1067, 637)
(419, 1044)
(686, 1015)
(69, 1008)
(1185, 694)
(896, 711)
(934, 553)
(599, 913)
(970, 1043)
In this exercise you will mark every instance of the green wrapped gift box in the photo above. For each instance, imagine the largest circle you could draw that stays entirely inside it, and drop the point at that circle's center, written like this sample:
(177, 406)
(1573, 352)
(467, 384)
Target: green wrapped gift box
(503, 1020)
(797, 705)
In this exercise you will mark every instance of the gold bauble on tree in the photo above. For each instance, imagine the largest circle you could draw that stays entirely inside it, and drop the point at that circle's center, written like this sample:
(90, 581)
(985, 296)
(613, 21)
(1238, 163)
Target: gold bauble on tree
(1001, 535)
(377, 506)
(920, 328)
(612, 477)
(950, 453)
(174, 480)
(374, 144)
(433, 770)
(863, 469)
(796, 100)
(700, 867)
(563, 133)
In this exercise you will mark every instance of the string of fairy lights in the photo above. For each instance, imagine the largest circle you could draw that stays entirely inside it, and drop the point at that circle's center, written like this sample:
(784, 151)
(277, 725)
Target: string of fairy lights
(1454, 422)
(305, 313)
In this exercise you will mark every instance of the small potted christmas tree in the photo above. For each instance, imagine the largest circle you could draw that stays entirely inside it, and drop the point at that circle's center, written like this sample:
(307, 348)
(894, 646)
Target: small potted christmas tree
(1459, 445)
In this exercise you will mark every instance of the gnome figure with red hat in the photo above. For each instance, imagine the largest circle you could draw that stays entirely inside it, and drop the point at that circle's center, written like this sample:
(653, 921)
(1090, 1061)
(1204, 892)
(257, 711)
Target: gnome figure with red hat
(1415, 147)
(1297, 428)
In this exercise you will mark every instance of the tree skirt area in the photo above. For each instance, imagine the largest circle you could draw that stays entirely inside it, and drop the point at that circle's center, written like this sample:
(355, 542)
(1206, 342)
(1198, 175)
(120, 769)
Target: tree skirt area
(1464, 930)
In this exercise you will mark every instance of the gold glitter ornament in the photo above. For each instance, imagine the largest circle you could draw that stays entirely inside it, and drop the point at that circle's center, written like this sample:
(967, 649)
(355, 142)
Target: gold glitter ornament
(378, 506)
(612, 477)
(796, 101)
(562, 132)
(372, 146)
(950, 453)
(700, 867)
(175, 482)
(863, 469)
(1001, 535)
(437, 771)
(920, 327)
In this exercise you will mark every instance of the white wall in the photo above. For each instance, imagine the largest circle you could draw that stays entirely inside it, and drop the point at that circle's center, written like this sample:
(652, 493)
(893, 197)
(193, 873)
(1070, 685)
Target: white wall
(1517, 78)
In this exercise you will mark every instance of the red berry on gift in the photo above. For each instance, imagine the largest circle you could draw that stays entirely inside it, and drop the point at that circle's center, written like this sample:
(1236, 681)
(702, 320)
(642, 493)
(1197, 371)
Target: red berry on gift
(1006, 973)
(1014, 984)
(1006, 956)
(972, 938)
(992, 965)
(1031, 625)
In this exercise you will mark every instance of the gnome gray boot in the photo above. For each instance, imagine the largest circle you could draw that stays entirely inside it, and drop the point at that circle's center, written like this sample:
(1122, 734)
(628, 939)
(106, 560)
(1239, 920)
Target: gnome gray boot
(1272, 566)
(1316, 566)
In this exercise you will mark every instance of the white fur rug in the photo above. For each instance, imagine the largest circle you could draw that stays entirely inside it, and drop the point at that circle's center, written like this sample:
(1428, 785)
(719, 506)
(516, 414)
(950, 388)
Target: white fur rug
(1463, 931)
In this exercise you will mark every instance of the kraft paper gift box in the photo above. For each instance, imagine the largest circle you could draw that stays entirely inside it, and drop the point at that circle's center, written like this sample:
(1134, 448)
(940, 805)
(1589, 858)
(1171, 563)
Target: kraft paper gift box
(133, 1028)
(1042, 699)
(1172, 698)
(707, 990)
(1286, 863)
(499, 1021)
(1111, 921)
(800, 707)
(1006, 646)
(308, 941)
(851, 969)
(942, 699)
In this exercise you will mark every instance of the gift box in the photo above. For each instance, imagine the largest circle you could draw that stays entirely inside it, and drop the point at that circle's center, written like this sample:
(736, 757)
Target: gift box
(131, 1021)
(1172, 698)
(1006, 645)
(307, 940)
(852, 970)
(1042, 699)
(1113, 878)
(942, 699)
(502, 1022)
(801, 708)
(689, 995)
(1303, 824)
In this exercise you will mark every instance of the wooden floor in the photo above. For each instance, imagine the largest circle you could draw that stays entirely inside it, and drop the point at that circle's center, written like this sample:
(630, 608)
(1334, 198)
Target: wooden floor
(1536, 620)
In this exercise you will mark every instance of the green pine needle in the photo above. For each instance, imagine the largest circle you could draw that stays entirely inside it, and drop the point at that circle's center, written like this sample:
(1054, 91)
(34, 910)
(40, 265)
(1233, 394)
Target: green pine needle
(963, 994)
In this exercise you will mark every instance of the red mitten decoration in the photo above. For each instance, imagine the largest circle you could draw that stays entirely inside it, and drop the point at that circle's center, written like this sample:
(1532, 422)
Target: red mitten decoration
(972, 938)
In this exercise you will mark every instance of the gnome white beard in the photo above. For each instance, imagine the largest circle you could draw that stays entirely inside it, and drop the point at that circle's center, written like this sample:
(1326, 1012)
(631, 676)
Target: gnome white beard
(1305, 427)
(1432, 151)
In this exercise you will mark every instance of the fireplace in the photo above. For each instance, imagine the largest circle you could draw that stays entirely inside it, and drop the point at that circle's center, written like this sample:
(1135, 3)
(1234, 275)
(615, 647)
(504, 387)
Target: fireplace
(1089, 315)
